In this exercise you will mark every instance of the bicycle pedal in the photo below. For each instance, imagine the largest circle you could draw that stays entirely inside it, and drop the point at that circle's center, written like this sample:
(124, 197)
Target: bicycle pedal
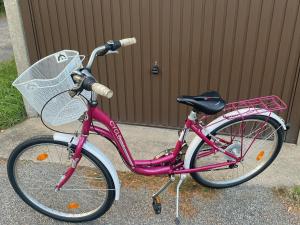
(233, 166)
(156, 205)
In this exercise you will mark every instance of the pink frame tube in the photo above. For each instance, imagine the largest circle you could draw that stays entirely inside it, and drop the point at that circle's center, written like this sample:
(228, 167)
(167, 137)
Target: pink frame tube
(166, 164)
(163, 165)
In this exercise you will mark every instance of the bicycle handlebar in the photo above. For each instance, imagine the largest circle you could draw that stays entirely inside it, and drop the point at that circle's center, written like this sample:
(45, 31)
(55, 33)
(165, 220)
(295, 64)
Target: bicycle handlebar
(84, 76)
(127, 41)
(109, 46)
(102, 90)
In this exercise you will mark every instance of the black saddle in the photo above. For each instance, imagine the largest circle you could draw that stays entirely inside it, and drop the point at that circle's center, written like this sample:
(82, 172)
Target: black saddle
(209, 102)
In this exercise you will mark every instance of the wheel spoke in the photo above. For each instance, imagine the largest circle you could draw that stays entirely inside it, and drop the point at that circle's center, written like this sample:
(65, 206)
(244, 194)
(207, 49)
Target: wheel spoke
(254, 139)
(39, 167)
(70, 189)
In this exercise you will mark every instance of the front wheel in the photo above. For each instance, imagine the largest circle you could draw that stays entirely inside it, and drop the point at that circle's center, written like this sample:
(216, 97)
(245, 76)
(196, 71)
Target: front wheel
(258, 139)
(36, 166)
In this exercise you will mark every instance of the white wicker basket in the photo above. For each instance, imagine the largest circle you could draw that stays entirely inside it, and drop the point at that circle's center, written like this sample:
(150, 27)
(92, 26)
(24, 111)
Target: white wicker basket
(47, 78)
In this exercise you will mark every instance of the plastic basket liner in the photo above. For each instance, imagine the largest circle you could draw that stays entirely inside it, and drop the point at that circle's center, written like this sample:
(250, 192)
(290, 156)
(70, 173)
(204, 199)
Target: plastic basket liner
(47, 78)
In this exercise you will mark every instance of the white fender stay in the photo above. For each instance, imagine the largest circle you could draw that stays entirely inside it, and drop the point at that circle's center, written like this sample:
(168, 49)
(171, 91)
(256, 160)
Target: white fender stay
(98, 154)
(220, 121)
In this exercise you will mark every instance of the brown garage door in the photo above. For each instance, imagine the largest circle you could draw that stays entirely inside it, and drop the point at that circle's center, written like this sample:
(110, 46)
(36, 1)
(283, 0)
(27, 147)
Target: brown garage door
(242, 48)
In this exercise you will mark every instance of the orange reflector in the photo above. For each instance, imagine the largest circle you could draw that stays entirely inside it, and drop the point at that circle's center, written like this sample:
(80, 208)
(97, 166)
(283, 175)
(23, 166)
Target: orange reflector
(42, 156)
(260, 155)
(73, 205)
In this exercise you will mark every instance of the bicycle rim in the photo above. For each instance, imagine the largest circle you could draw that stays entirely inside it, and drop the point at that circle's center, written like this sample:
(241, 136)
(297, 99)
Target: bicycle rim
(37, 170)
(256, 140)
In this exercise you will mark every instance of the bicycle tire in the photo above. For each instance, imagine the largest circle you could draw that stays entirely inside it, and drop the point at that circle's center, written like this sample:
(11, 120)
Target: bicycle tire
(49, 140)
(208, 183)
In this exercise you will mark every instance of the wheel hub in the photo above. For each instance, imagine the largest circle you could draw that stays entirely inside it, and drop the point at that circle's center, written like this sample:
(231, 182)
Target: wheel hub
(235, 149)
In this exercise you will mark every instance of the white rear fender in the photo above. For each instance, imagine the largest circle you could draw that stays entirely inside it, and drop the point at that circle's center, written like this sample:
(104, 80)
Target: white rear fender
(219, 122)
(97, 153)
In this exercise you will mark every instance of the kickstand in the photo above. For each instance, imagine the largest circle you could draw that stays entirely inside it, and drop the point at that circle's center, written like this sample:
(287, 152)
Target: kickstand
(155, 197)
(182, 178)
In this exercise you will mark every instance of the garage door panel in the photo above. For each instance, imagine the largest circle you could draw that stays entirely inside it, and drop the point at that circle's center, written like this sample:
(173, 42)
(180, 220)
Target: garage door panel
(241, 48)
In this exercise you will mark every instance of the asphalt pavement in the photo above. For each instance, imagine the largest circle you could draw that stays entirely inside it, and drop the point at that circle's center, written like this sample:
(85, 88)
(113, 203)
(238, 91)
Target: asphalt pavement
(246, 204)
(251, 203)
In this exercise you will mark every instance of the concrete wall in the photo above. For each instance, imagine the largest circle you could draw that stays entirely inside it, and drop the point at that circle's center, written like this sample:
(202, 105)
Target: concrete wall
(17, 36)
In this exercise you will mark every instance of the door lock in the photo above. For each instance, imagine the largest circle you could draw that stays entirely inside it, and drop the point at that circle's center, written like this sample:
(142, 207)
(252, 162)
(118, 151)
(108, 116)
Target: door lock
(155, 69)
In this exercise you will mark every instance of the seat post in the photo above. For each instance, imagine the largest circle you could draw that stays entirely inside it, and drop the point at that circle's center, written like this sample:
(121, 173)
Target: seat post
(192, 116)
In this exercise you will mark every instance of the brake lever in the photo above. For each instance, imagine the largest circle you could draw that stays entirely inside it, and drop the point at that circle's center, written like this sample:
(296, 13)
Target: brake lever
(76, 90)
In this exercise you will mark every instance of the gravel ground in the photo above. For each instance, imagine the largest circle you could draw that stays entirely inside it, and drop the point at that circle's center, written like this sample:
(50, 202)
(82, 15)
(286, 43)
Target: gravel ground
(251, 203)
(6, 50)
(246, 204)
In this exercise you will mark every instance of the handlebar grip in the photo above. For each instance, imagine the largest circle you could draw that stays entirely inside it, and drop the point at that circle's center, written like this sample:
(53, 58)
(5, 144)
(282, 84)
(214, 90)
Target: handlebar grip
(102, 90)
(127, 41)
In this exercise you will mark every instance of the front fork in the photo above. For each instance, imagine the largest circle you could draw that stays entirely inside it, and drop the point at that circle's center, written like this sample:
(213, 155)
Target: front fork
(74, 162)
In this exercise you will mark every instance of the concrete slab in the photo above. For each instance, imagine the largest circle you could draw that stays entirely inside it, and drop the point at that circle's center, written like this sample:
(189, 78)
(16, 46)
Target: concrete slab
(6, 48)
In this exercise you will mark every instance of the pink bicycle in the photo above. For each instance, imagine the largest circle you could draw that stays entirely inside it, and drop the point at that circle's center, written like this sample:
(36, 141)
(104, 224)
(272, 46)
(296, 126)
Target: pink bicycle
(233, 148)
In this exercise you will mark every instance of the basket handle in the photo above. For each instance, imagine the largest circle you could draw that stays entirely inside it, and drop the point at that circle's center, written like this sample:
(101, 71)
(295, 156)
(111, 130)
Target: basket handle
(82, 57)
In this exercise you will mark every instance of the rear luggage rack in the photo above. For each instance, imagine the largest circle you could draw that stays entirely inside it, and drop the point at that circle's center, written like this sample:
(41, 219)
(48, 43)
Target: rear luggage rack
(254, 106)
(240, 109)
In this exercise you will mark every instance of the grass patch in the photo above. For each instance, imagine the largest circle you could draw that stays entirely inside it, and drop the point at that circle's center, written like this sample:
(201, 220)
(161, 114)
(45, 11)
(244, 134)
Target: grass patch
(295, 194)
(2, 9)
(11, 104)
(290, 197)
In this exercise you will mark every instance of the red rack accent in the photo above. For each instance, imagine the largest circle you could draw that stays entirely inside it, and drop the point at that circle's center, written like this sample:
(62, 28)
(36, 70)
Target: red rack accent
(255, 105)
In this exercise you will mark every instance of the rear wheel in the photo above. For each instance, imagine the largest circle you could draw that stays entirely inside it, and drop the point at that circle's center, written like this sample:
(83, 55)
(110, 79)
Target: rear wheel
(36, 166)
(257, 138)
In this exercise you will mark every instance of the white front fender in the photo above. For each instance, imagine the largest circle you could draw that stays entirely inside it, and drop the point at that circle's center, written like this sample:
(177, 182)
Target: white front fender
(98, 154)
(219, 122)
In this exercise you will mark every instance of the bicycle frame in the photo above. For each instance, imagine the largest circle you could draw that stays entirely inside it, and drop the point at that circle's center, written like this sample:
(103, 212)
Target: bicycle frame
(164, 165)
(172, 163)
